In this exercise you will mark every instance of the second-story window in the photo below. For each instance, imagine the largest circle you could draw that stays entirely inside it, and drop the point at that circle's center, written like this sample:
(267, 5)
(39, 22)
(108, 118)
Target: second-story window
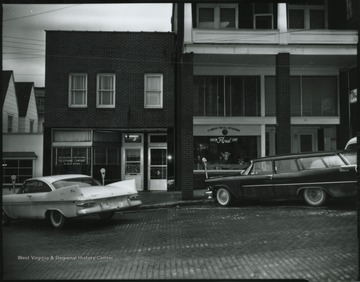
(10, 123)
(78, 90)
(216, 16)
(256, 15)
(153, 91)
(105, 91)
(32, 122)
(307, 15)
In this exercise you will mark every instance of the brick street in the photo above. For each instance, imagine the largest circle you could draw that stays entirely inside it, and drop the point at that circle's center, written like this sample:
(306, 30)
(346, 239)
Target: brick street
(272, 240)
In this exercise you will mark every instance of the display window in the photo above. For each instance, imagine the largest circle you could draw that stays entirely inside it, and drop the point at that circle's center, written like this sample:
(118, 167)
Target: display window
(225, 152)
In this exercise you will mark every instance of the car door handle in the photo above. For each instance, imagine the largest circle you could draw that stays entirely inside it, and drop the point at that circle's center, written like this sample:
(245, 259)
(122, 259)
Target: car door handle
(29, 196)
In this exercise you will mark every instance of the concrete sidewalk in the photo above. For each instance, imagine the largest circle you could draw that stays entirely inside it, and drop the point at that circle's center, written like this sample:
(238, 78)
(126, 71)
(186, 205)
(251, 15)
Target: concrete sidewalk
(166, 198)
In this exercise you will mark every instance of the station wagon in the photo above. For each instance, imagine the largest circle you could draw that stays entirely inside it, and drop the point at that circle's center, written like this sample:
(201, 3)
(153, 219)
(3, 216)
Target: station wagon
(313, 176)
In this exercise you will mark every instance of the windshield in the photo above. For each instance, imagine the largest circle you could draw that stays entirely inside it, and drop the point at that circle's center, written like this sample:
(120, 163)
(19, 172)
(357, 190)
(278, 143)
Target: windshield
(81, 182)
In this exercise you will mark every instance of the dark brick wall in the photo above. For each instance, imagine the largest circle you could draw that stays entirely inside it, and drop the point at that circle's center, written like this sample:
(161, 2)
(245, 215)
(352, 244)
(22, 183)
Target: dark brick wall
(127, 54)
(283, 129)
(184, 128)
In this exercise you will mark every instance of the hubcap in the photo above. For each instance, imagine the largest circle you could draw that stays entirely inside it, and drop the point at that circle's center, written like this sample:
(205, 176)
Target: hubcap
(314, 195)
(223, 196)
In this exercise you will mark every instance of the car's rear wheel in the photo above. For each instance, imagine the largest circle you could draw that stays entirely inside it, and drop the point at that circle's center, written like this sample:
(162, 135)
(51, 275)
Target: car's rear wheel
(314, 196)
(106, 215)
(57, 219)
(5, 219)
(223, 197)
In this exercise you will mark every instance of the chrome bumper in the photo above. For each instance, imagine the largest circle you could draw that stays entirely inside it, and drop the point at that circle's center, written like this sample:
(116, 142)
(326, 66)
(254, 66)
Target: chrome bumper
(209, 194)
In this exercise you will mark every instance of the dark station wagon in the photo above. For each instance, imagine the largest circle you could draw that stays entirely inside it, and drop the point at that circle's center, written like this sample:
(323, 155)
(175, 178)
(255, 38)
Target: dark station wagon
(312, 176)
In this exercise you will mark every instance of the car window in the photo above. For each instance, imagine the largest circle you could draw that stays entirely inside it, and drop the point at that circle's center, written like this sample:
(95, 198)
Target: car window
(350, 157)
(43, 187)
(322, 162)
(333, 161)
(29, 187)
(312, 163)
(285, 166)
(262, 167)
(81, 182)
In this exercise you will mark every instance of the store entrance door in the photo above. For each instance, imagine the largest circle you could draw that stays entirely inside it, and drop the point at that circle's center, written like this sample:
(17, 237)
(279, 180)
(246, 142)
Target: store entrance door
(132, 159)
(158, 168)
(305, 141)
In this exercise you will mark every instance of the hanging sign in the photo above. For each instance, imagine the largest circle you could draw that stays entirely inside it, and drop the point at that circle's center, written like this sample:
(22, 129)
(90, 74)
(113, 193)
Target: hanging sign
(353, 96)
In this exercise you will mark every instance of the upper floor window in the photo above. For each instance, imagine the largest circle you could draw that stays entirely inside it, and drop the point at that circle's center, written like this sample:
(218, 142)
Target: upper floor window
(226, 96)
(105, 97)
(309, 96)
(153, 91)
(78, 90)
(10, 123)
(217, 16)
(32, 122)
(307, 15)
(256, 15)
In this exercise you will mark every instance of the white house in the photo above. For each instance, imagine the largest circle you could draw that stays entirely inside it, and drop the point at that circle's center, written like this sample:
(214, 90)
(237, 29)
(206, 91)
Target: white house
(22, 143)
(10, 109)
(28, 116)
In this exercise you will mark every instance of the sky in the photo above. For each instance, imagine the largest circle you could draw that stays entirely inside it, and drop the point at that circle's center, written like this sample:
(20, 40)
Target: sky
(24, 29)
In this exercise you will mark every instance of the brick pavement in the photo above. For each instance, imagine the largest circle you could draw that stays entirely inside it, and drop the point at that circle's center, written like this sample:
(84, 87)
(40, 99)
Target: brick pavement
(204, 241)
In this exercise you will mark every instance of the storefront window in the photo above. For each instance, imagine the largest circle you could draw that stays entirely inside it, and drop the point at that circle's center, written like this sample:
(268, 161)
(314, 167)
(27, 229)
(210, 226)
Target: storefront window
(225, 152)
(71, 160)
(22, 169)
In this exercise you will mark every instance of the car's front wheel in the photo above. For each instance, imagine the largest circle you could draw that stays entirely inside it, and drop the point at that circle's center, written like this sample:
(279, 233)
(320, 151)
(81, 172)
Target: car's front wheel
(223, 197)
(106, 215)
(5, 219)
(314, 196)
(57, 219)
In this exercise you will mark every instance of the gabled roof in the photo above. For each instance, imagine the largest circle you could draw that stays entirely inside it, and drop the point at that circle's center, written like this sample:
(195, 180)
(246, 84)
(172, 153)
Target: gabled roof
(23, 92)
(6, 75)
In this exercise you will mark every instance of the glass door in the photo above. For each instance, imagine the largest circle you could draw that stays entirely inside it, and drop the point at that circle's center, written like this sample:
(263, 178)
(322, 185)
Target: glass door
(158, 168)
(132, 159)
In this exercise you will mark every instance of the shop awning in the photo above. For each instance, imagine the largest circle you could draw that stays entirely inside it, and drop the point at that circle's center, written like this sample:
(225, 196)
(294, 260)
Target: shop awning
(19, 155)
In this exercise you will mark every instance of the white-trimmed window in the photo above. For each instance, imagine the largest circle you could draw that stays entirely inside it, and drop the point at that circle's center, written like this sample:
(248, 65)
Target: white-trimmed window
(105, 97)
(78, 90)
(217, 16)
(153, 91)
(312, 15)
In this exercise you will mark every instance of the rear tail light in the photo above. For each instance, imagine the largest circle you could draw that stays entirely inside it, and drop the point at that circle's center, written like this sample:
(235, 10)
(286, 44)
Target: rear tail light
(85, 204)
(134, 198)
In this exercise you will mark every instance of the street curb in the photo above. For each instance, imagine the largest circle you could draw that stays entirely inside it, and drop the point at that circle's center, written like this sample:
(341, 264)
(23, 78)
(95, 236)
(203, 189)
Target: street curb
(174, 204)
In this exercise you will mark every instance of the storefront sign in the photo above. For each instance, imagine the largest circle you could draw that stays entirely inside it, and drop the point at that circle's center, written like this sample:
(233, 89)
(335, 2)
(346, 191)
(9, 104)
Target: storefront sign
(353, 96)
(223, 140)
(76, 160)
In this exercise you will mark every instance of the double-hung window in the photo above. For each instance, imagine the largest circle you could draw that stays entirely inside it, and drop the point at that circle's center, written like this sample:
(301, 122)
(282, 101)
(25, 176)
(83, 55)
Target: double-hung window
(153, 91)
(310, 15)
(78, 90)
(105, 97)
(217, 16)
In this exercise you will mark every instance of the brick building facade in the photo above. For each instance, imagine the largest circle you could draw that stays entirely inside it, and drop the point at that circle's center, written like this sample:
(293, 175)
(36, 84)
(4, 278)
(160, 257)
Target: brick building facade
(110, 99)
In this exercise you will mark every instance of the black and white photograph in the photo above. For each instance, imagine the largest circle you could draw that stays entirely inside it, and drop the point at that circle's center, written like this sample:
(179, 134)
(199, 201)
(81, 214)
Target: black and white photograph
(181, 140)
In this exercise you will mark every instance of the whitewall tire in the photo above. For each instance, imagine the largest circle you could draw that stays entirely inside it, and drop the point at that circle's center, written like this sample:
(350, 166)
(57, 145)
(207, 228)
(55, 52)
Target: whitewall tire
(314, 197)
